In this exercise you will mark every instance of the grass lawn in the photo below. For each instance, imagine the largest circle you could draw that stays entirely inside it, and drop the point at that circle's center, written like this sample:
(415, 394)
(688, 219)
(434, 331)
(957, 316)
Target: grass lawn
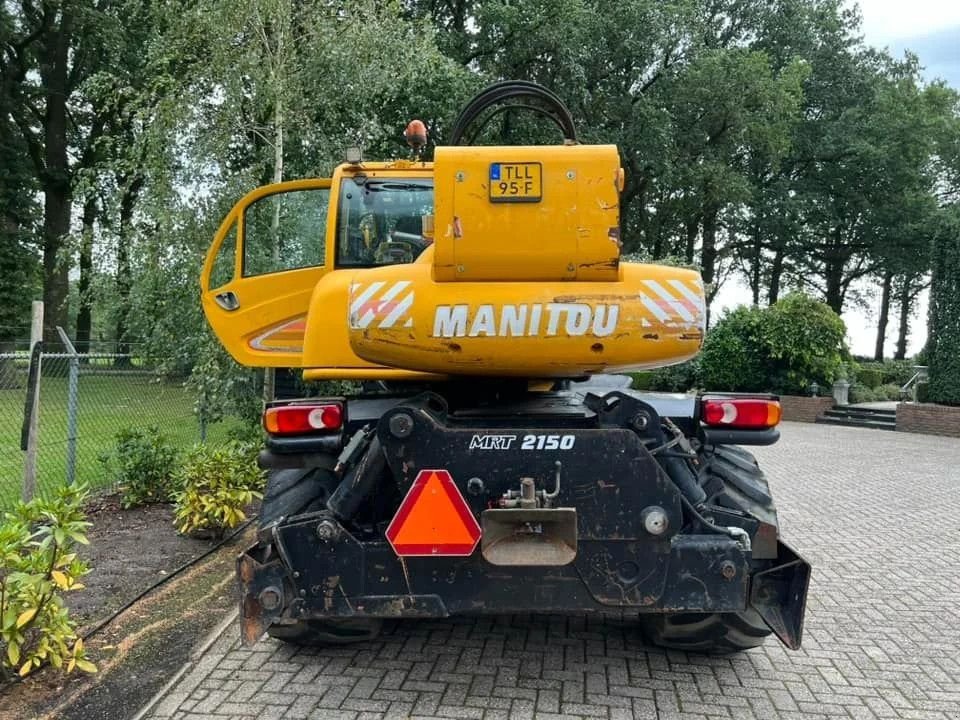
(106, 404)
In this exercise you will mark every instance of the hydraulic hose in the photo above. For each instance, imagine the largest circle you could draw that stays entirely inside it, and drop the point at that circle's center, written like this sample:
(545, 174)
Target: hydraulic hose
(507, 90)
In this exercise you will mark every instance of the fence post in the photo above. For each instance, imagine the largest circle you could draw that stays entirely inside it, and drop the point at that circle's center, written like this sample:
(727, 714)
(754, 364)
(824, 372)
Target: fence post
(72, 390)
(33, 403)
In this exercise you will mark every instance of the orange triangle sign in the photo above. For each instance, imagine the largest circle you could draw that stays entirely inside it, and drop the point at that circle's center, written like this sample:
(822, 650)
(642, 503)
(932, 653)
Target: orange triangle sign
(433, 519)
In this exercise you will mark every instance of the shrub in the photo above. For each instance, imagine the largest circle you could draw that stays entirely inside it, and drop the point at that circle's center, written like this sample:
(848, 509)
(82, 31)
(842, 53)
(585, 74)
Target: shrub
(642, 380)
(38, 562)
(889, 372)
(862, 394)
(733, 353)
(144, 466)
(871, 377)
(216, 484)
(676, 378)
(783, 348)
(890, 391)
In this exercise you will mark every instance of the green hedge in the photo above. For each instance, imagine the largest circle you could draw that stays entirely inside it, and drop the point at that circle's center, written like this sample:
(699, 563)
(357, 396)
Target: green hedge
(889, 372)
(943, 346)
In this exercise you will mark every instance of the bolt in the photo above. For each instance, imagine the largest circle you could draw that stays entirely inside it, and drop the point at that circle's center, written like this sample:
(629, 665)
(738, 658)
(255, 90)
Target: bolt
(571, 174)
(327, 530)
(728, 570)
(460, 176)
(296, 574)
(475, 486)
(401, 425)
(655, 520)
(270, 598)
(640, 421)
(303, 593)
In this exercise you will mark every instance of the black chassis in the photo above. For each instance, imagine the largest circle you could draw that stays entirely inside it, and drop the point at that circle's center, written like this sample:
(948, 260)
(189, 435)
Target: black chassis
(322, 566)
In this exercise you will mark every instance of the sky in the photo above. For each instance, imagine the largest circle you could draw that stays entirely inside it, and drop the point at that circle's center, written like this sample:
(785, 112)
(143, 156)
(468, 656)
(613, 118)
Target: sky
(931, 30)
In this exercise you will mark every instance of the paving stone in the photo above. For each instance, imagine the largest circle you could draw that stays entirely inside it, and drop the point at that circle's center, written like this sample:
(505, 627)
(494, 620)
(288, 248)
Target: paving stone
(881, 641)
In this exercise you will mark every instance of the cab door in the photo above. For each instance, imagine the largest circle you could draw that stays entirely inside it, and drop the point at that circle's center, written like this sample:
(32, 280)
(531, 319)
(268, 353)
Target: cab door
(261, 269)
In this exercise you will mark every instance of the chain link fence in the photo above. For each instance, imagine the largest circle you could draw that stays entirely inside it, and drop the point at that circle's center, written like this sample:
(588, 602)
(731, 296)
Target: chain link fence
(85, 400)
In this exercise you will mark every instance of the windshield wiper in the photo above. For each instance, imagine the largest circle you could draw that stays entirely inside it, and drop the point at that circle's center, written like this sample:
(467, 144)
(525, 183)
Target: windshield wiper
(393, 185)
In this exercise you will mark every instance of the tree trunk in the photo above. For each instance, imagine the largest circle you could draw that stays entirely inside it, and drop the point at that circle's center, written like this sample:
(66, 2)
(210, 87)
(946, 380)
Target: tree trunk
(906, 304)
(55, 179)
(776, 273)
(835, 260)
(884, 316)
(130, 189)
(85, 311)
(834, 278)
(692, 226)
(755, 267)
(708, 253)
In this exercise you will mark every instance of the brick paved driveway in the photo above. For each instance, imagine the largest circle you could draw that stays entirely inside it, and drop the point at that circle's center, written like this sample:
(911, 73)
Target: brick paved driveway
(878, 515)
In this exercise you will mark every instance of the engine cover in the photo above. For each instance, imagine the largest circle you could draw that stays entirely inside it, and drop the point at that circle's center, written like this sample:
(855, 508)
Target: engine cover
(401, 317)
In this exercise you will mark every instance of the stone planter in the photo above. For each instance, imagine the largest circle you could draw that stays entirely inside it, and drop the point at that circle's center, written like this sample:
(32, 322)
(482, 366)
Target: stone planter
(841, 392)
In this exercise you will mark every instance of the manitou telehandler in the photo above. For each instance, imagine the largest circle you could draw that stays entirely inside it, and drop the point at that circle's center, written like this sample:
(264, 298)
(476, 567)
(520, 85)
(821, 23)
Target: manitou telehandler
(484, 464)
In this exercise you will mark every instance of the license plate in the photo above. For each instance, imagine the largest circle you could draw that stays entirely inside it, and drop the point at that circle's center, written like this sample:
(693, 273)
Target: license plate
(516, 182)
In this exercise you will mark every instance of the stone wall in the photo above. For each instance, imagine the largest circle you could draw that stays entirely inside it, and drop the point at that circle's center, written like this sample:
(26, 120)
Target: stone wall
(804, 409)
(929, 419)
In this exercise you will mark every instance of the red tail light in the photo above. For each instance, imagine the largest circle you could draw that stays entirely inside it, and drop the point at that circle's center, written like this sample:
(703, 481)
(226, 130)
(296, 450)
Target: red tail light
(741, 413)
(302, 419)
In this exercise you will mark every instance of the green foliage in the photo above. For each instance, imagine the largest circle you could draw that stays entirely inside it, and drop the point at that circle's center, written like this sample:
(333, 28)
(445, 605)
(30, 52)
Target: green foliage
(783, 348)
(223, 387)
(734, 351)
(863, 394)
(889, 372)
(144, 465)
(675, 378)
(869, 377)
(38, 563)
(943, 346)
(216, 485)
(890, 391)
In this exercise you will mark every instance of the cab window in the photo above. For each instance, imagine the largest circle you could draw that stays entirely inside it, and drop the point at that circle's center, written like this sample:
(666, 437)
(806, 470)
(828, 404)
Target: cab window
(381, 221)
(285, 231)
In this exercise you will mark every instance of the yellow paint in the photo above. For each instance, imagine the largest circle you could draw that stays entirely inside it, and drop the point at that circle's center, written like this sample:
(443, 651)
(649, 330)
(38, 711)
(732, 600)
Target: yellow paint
(493, 261)
(649, 331)
(566, 235)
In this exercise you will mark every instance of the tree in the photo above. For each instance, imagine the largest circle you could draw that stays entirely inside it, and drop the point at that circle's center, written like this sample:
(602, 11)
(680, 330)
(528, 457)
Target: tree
(18, 217)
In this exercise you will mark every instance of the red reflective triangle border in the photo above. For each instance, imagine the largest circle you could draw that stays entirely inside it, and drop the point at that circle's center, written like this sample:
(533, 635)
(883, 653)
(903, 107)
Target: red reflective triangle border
(459, 506)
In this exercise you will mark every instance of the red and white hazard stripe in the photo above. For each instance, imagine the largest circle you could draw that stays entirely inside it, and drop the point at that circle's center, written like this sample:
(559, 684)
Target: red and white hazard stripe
(383, 301)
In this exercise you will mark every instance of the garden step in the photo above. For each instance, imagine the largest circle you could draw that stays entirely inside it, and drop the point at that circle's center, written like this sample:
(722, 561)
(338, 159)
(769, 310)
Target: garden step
(885, 423)
(865, 413)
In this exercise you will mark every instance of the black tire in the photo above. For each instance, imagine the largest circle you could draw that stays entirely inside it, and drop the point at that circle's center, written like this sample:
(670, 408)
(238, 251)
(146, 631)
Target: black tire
(326, 632)
(295, 492)
(708, 633)
(731, 478)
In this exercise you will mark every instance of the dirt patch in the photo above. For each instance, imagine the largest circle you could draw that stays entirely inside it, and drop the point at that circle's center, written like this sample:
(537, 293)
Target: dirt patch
(129, 551)
(138, 651)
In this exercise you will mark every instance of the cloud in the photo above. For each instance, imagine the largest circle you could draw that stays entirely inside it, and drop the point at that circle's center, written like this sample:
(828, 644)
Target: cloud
(939, 53)
(891, 21)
